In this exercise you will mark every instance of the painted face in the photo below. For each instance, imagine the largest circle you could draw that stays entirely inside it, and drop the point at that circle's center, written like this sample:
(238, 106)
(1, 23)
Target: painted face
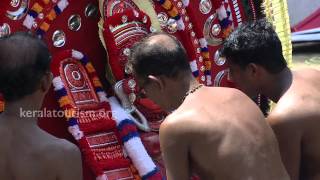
(243, 79)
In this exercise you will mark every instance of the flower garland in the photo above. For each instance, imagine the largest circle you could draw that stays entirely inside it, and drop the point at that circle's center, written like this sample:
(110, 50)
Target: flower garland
(253, 8)
(203, 43)
(224, 22)
(190, 41)
(125, 127)
(1, 103)
(46, 12)
(132, 142)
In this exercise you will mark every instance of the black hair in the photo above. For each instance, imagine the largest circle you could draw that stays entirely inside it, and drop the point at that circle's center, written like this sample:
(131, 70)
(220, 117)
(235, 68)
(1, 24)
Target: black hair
(24, 60)
(157, 58)
(255, 42)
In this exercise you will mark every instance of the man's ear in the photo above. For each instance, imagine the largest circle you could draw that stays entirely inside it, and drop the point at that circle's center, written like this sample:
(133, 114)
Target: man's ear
(46, 82)
(156, 81)
(253, 70)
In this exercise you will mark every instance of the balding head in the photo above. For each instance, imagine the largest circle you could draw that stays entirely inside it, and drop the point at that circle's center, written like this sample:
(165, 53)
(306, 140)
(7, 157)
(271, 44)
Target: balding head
(163, 40)
(159, 54)
(24, 60)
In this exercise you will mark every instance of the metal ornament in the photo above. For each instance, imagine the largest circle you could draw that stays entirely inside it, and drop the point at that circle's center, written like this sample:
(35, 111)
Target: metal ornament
(128, 69)
(218, 59)
(172, 25)
(20, 12)
(163, 19)
(126, 52)
(124, 19)
(132, 84)
(145, 19)
(58, 38)
(216, 29)
(219, 77)
(15, 3)
(74, 22)
(209, 26)
(132, 97)
(205, 6)
(5, 30)
(91, 10)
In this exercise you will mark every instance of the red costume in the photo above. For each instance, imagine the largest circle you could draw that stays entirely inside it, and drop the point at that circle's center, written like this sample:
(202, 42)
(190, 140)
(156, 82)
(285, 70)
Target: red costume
(201, 26)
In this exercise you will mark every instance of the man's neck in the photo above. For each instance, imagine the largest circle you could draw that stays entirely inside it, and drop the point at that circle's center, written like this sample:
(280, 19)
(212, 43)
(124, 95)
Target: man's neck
(23, 111)
(278, 84)
(193, 84)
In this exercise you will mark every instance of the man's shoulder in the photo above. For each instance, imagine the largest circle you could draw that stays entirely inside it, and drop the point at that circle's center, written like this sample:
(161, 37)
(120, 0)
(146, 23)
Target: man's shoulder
(233, 92)
(60, 149)
(291, 113)
(63, 146)
(63, 157)
(301, 101)
(307, 73)
(226, 98)
(182, 121)
(177, 119)
(191, 122)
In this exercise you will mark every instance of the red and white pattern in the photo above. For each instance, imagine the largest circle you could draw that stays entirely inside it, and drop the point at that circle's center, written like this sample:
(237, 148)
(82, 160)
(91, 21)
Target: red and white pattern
(101, 145)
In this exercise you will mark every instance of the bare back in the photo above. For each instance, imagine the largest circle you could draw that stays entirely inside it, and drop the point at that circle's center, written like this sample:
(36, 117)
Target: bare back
(225, 137)
(296, 122)
(27, 152)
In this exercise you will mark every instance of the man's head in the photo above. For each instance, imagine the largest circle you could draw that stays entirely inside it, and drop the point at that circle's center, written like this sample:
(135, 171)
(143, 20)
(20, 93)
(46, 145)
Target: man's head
(25, 67)
(160, 65)
(253, 52)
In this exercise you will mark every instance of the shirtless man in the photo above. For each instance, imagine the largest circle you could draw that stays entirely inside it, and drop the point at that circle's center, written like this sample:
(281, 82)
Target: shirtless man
(254, 54)
(219, 133)
(26, 151)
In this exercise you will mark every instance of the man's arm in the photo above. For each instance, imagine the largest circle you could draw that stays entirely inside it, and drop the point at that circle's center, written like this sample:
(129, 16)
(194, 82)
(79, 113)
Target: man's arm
(289, 136)
(70, 164)
(175, 151)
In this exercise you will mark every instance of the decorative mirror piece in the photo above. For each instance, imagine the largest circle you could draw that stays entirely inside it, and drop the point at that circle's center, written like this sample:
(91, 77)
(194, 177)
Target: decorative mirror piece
(172, 25)
(216, 29)
(210, 31)
(91, 10)
(218, 59)
(15, 3)
(20, 12)
(74, 22)
(163, 19)
(5, 30)
(205, 6)
(58, 38)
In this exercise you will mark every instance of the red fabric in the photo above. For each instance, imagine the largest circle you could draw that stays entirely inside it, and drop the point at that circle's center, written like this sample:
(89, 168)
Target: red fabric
(312, 21)
(156, 176)
(85, 149)
(115, 58)
(99, 158)
(150, 110)
(198, 19)
(77, 40)
(216, 3)
(87, 41)
(127, 129)
(151, 142)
